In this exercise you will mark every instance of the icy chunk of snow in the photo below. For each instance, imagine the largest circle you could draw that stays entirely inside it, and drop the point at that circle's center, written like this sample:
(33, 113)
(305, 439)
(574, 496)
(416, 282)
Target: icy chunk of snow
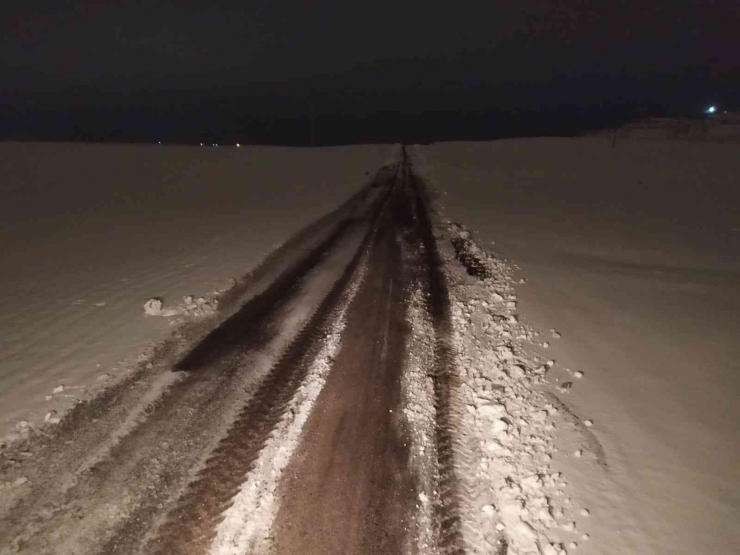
(505, 353)
(499, 426)
(516, 372)
(540, 415)
(491, 410)
(531, 482)
(510, 507)
(578, 374)
(588, 423)
(551, 549)
(493, 446)
(153, 307)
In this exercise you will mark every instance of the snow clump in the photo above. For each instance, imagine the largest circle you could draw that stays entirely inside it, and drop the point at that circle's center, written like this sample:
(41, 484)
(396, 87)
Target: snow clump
(153, 307)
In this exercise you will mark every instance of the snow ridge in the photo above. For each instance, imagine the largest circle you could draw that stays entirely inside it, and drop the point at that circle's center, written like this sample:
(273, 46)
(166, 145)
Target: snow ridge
(508, 426)
(511, 500)
(418, 391)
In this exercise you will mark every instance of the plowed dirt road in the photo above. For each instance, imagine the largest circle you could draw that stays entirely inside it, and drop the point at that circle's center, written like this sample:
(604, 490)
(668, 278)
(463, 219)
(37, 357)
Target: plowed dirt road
(276, 429)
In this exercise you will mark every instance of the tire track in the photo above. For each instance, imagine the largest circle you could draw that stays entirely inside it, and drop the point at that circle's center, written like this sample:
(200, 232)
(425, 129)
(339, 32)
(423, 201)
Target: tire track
(146, 470)
(190, 527)
(333, 498)
(448, 512)
(348, 488)
(165, 486)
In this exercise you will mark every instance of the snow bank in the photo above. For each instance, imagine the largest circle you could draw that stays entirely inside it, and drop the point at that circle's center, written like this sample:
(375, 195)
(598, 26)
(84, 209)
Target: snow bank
(631, 255)
(89, 233)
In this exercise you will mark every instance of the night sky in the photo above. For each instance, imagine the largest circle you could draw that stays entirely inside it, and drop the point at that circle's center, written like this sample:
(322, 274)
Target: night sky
(369, 71)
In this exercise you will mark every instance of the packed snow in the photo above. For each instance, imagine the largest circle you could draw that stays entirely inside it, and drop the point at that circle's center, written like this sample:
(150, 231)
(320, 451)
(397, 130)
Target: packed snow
(92, 233)
(632, 254)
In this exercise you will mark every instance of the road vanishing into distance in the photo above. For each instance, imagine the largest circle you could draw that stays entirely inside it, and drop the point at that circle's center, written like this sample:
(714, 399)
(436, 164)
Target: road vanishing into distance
(278, 428)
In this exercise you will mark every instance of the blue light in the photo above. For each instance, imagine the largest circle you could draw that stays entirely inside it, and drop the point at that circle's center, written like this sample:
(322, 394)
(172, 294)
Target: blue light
(711, 110)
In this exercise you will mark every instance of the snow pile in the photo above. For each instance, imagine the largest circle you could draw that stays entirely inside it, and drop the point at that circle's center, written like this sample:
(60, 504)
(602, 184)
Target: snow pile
(418, 410)
(193, 307)
(515, 498)
(153, 307)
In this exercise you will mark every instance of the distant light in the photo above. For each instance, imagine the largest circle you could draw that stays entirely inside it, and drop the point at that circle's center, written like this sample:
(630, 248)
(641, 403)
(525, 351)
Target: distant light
(711, 109)
(159, 142)
(201, 144)
(238, 145)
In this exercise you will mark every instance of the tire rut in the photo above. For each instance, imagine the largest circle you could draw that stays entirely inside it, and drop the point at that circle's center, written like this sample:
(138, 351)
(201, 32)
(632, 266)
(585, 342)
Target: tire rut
(163, 488)
(348, 488)
(447, 509)
(146, 470)
(191, 525)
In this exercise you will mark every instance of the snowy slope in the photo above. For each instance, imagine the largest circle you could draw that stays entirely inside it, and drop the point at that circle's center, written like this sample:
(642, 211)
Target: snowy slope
(720, 128)
(633, 255)
(89, 232)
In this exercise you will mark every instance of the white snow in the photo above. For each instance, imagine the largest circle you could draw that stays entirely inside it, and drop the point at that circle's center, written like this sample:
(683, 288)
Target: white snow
(503, 443)
(632, 254)
(153, 307)
(88, 233)
(419, 412)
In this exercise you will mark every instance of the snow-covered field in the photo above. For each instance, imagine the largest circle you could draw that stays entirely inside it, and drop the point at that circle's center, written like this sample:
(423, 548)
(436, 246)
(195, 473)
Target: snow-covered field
(88, 233)
(632, 256)
(626, 259)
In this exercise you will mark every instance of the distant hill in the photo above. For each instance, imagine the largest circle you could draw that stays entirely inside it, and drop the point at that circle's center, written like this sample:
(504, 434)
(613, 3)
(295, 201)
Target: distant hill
(723, 128)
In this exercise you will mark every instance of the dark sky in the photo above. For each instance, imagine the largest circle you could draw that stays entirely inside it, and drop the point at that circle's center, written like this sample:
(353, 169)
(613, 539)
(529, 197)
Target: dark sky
(370, 70)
